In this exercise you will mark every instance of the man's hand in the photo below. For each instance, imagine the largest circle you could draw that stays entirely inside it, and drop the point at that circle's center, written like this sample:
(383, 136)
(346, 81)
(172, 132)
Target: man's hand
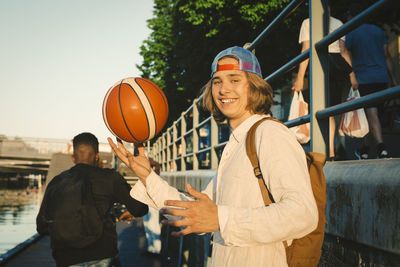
(298, 85)
(140, 164)
(199, 216)
(126, 217)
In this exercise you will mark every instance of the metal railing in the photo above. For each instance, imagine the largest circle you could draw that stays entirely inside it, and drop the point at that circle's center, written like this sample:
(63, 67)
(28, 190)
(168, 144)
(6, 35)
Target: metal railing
(196, 141)
(192, 144)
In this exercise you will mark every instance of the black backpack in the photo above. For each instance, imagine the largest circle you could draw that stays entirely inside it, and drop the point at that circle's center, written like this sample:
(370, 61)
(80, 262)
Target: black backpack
(72, 216)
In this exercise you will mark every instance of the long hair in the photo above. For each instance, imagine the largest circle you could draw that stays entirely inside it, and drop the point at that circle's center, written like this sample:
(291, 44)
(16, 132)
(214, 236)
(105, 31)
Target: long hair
(260, 97)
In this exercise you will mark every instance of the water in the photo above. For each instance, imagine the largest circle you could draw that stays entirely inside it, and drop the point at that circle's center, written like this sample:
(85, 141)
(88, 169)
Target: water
(19, 205)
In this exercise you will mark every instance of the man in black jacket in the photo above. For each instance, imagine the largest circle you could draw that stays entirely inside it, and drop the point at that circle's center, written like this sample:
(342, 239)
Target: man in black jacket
(107, 187)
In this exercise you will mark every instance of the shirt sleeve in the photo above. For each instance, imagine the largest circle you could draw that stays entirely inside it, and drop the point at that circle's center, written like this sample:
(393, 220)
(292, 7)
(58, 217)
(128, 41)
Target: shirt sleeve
(41, 222)
(339, 24)
(349, 41)
(157, 191)
(294, 213)
(304, 34)
(121, 192)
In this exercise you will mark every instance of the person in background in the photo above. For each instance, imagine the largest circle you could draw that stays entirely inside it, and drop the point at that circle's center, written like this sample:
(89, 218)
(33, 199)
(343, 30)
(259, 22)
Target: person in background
(368, 50)
(107, 187)
(246, 232)
(339, 74)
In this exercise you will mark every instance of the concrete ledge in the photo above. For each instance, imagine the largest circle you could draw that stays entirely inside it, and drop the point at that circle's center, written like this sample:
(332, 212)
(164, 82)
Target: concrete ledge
(363, 201)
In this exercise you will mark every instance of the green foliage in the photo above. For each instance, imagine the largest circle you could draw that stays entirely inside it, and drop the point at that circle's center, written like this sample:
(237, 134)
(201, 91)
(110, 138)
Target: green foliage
(187, 34)
(212, 14)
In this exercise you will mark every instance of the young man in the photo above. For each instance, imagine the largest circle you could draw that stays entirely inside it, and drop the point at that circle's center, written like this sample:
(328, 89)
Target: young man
(246, 232)
(368, 50)
(107, 187)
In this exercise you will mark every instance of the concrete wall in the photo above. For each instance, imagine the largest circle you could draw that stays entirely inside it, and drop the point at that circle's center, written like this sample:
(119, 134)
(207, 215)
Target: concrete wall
(363, 201)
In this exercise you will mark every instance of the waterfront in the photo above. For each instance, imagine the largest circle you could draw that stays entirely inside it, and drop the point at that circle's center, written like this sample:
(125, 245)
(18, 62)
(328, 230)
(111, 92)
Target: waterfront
(19, 204)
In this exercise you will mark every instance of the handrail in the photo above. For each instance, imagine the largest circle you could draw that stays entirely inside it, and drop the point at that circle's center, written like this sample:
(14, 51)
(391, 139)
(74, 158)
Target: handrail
(350, 25)
(166, 155)
(201, 151)
(220, 145)
(189, 132)
(364, 101)
(188, 109)
(204, 122)
(189, 155)
(285, 12)
(288, 66)
(298, 121)
(320, 115)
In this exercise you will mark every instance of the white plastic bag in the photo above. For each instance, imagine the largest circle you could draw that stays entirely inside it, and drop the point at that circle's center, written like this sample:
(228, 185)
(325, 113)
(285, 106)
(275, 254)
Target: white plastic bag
(354, 123)
(299, 108)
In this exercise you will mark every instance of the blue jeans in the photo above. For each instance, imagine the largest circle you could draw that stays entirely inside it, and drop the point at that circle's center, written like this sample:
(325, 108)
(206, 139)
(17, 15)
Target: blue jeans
(96, 263)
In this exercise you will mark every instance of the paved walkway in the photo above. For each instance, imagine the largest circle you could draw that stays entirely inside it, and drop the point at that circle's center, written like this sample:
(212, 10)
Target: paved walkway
(131, 243)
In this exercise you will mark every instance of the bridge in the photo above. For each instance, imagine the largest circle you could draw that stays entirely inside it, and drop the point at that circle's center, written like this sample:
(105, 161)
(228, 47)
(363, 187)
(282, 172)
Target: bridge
(40, 159)
(25, 155)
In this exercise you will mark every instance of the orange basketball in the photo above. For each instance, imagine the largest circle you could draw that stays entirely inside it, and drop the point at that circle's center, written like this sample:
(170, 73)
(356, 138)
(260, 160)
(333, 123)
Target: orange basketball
(135, 109)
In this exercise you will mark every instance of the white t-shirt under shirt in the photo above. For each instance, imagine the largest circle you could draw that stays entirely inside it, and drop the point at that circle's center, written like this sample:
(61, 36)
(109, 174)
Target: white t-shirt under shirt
(333, 25)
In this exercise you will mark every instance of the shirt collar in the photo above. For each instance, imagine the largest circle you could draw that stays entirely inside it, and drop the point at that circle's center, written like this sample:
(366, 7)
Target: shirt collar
(240, 132)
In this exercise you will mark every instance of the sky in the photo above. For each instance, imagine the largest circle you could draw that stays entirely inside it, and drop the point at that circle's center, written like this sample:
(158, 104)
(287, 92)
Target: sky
(58, 58)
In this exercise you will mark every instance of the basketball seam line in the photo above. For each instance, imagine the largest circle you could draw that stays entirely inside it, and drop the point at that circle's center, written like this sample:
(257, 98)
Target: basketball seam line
(152, 106)
(105, 117)
(120, 109)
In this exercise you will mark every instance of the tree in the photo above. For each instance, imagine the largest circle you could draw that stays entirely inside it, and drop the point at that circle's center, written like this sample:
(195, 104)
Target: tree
(187, 35)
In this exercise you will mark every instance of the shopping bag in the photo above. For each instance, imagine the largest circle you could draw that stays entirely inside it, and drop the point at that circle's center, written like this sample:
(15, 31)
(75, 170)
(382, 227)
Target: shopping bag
(299, 108)
(354, 123)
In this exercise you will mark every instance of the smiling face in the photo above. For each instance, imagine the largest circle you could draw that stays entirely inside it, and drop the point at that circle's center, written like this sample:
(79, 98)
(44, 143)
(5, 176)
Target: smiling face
(230, 89)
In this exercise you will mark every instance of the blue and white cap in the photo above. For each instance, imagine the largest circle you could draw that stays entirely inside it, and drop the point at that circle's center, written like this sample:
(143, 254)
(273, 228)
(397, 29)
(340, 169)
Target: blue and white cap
(247, 61)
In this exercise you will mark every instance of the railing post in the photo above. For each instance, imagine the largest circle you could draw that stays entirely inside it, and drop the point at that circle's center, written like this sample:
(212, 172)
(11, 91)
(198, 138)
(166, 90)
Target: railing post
(159, 149)
(163, 152)
(168, 149)
(174, 147)
(196, 115)
(148, 150)
(183, 142)
(213, 142)
(159, 158)
(155, 151)
(317, 76)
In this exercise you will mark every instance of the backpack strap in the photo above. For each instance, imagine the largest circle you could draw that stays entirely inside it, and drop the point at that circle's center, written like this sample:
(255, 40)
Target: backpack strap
(88, 190)
(252, 155)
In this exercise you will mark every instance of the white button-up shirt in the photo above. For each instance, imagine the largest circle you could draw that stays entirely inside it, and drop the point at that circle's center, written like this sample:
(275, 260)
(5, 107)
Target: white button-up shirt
(251, 234)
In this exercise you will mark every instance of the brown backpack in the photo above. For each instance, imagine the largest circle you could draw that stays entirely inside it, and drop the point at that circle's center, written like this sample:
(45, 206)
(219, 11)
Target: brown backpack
(305, 251)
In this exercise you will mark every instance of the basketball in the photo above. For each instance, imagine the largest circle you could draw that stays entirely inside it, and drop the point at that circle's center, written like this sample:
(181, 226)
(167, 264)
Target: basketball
(135, 109)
